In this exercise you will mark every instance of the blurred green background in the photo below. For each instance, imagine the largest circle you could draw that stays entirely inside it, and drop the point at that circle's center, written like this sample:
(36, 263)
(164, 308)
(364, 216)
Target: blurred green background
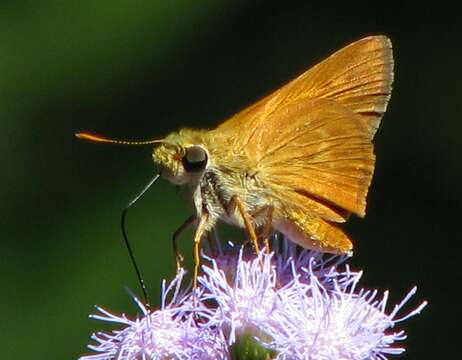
(139, 69)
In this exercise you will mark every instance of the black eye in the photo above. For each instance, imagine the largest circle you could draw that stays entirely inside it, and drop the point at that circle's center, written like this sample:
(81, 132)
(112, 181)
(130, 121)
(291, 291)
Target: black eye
(195, 159)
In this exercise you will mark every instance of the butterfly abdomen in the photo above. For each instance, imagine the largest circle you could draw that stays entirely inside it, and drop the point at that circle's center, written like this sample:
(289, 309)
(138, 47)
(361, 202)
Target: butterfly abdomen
(313, 233)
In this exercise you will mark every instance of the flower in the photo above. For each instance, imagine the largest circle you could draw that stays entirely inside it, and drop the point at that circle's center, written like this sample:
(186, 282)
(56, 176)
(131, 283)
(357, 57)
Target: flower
(288, 304)
(244, 298)
(292, 259)
(319, 322)
(168, 333)
(316, 312)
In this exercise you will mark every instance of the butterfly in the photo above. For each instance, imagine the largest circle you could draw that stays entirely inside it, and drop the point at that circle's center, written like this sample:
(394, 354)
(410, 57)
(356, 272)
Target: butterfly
(299, 161)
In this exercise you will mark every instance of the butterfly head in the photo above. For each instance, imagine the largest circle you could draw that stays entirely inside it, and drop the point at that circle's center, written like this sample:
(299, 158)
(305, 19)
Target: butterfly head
(181, 157)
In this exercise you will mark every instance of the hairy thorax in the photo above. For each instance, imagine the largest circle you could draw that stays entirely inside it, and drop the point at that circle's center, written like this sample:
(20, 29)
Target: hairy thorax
(216, 191)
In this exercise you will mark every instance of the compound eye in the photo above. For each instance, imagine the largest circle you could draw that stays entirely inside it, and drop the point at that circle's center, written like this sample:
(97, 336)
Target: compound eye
(195, 159)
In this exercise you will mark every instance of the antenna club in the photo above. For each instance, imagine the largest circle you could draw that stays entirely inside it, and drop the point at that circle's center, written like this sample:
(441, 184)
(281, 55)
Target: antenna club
(101, 139)
(92, 137)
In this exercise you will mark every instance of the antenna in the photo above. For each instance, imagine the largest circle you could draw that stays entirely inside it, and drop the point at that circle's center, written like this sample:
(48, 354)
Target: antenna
(101, 139)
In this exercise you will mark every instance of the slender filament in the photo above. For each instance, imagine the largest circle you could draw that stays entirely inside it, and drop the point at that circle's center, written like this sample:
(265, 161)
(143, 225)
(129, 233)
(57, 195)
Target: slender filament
(101, 139)
(127, 243)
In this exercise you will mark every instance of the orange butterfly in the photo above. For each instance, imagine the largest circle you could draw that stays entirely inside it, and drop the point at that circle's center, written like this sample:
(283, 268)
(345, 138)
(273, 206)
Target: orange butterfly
(299, 161)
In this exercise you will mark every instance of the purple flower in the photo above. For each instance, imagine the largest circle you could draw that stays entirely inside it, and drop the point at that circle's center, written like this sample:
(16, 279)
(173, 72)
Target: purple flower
(316, 312)
(168, 333)
(244, 298)
(291, 304)
(323, 322)
(292, 259)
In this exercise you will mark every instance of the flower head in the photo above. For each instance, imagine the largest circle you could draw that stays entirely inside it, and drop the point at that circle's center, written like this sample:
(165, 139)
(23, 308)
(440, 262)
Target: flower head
(292, 304)
(244, 298)
(168, 333)
(319, 322)
(291, 259)
(302, 306)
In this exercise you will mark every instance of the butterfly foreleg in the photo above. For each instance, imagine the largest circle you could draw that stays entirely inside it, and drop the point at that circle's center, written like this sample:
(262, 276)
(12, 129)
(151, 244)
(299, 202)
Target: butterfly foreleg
(200, 230)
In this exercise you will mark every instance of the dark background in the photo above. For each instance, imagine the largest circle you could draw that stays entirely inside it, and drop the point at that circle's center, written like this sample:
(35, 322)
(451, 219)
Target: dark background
(139, 69)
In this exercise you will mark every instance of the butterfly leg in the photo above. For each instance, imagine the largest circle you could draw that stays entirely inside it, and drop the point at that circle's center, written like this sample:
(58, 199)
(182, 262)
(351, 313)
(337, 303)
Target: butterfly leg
(212, 242)
(178, 257)
(197, 240)
(267, 227)
(266, 212)
(236, 202)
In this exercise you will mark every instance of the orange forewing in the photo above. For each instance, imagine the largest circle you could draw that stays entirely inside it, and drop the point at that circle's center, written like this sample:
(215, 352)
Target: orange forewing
(311, 141)
(359, 77)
